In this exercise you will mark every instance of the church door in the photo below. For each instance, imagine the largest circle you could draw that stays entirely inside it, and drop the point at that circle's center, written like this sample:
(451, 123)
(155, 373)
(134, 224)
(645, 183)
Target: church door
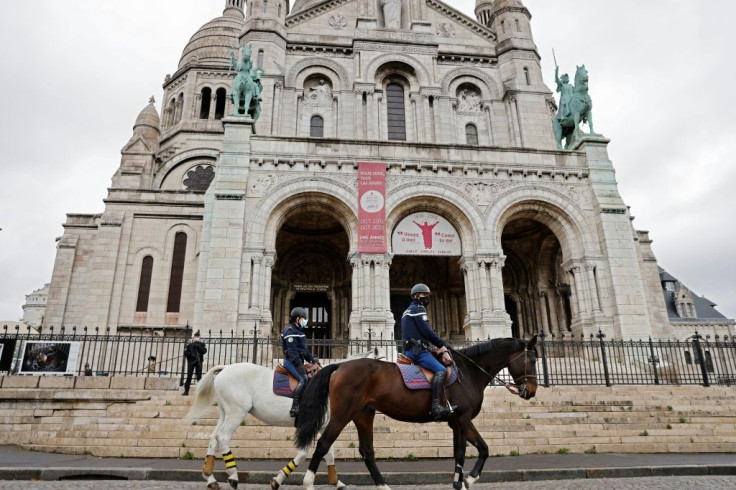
(319, 328)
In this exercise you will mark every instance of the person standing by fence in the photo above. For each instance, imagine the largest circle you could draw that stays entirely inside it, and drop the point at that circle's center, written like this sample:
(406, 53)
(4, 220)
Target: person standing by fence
(194, 353)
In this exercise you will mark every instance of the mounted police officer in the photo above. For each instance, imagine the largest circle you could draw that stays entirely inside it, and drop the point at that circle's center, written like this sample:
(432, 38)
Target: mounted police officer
(418, 336)
(294, 343)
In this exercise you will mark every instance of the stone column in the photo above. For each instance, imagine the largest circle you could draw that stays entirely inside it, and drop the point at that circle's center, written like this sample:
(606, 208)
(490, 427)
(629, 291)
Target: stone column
(427, 118)
(592, 288)
(371, 121)
(381, 117)
(489, 122)
(276, 116)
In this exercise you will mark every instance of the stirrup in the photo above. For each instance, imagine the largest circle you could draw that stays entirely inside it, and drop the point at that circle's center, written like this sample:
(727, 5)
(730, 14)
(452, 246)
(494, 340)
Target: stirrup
(440, 412)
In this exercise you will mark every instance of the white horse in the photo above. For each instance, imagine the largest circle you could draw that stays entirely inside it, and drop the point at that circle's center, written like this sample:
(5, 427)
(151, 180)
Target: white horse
(240, 389)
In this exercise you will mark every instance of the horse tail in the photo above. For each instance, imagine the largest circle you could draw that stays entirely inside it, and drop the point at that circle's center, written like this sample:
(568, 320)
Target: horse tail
(205, 395)
(313, 407)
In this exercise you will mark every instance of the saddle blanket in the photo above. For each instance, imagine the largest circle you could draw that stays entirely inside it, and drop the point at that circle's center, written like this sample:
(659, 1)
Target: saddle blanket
(281, 385)
(415, 379)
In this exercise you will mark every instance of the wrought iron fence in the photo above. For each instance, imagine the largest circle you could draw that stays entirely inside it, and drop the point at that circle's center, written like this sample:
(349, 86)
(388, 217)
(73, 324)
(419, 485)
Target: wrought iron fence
(563, 359)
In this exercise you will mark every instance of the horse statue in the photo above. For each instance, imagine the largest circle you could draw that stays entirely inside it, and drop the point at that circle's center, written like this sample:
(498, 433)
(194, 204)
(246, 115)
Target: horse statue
(357, 389)
(575, 107)
(240, 389)
(247, 86)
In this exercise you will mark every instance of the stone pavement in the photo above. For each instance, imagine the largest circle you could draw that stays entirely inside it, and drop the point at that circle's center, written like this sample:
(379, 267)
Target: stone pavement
(529, 472)
(648, 483)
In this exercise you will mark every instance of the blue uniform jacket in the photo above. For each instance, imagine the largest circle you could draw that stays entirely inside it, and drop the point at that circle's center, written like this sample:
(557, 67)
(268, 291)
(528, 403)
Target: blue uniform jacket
(415, 325)
(294, 343)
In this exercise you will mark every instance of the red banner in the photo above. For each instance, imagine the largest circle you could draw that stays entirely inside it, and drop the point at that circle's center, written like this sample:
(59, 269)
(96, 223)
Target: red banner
(372, 207)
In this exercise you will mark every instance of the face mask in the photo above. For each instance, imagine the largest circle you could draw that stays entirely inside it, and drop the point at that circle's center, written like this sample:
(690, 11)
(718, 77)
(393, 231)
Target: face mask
(424, 301)
(303, 323)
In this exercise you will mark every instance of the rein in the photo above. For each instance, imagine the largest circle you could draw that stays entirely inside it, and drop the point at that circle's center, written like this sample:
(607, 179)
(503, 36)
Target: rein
(513, 388)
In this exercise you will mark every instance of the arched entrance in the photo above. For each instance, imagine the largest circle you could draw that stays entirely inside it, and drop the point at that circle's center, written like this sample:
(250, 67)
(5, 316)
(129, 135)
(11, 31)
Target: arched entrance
(311, 271)
(427, 248)
(442, 275)
(536, 290)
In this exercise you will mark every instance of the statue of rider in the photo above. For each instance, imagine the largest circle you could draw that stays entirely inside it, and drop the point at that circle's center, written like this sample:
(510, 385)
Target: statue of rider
(294, 344)
(418, 336)
(246, 74)
(566, 92)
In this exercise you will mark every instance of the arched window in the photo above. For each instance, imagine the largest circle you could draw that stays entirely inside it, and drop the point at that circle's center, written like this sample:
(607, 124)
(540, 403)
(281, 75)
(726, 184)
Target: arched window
(171, 112)
(144, 285)
(265, 6)
(395, 113)
(316, 127)
(518, 27)
(279, 10)
(220, 103)
(471, 134)
(173, 304)
(260, 60)
(179, 107)
(526, 76)
(204, 110)
(503, 27)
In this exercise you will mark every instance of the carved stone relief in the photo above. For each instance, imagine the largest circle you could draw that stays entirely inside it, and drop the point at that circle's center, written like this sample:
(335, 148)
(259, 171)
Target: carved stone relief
(445, 29)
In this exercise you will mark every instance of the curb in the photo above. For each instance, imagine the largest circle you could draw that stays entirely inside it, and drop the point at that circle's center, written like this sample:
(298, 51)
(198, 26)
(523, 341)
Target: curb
(363, 478)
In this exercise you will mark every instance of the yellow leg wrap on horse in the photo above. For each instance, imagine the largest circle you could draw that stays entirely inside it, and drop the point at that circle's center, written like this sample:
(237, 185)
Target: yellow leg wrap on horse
(289, 468)
(209, 465)
(332, 475)
(229, 460)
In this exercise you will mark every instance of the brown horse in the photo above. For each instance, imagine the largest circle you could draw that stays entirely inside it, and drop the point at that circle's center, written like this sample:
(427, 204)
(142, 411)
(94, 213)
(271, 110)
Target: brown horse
(357, 389)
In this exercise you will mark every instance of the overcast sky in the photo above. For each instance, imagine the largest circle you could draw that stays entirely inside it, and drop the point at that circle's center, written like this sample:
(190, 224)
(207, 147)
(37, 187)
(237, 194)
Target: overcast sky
(76, 73)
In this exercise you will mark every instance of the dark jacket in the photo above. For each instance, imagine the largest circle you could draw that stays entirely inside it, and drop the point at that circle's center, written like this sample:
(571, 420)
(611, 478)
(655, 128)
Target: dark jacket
(294, 343)
(415, 325)
(195, 351)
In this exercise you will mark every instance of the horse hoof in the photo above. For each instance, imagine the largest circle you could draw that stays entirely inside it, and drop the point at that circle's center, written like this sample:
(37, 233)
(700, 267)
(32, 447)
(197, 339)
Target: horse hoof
(233, 484)
(214, 485)
(341, 486)
(274, 484)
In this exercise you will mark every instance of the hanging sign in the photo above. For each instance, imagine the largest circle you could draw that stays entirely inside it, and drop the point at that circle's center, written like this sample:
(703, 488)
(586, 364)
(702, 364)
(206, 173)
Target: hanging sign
(372, 207)
(425, 234)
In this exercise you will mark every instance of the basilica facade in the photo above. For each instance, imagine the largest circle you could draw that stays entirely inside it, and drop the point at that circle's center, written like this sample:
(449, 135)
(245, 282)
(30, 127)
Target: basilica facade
(214, 221)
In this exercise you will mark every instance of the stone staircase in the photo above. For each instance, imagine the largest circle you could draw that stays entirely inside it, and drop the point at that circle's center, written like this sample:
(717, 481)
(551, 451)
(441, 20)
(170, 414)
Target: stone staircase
(144, 417)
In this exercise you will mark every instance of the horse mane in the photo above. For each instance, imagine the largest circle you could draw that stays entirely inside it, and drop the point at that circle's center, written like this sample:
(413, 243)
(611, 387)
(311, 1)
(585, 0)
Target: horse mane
(484, 347)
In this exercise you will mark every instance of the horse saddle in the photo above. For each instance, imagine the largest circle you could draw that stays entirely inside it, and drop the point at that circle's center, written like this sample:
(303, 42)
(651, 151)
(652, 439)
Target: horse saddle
(418, 378)
(284, 383)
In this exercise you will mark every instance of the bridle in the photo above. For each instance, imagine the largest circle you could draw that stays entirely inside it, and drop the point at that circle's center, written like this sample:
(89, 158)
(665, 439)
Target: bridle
(516, 389)
(519, 388)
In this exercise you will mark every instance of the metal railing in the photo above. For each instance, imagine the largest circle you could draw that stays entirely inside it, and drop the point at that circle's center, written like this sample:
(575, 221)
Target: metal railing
(563, 359)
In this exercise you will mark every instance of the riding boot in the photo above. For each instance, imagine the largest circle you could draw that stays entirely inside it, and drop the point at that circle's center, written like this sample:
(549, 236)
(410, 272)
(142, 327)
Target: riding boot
(439, 411)
(297, 395)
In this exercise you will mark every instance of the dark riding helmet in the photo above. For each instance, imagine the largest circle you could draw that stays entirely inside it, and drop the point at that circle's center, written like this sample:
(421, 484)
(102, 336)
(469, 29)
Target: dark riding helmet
(419, 288)
(298, 311)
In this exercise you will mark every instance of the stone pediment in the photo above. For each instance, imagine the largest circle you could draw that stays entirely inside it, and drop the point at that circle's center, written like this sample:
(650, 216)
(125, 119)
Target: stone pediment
(347, 18)
(136, 145)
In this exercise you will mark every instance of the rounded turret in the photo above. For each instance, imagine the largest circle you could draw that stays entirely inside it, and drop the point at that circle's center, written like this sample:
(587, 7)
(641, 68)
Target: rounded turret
(148, 123)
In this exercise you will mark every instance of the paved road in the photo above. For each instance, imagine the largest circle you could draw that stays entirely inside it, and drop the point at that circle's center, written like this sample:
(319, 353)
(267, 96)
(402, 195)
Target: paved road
(658, 483)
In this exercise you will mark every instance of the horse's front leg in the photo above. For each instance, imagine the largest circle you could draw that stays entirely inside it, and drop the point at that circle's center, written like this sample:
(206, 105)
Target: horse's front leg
(459, 439)
(590, 119)
(364, 424)
(476, 440)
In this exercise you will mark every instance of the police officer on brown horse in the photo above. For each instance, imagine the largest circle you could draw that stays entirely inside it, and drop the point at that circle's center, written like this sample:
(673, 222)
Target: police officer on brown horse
(418, 336)
(294, 343)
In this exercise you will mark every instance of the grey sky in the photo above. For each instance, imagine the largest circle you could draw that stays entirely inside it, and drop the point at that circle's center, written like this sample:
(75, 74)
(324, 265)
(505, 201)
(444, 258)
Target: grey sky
(77, 73)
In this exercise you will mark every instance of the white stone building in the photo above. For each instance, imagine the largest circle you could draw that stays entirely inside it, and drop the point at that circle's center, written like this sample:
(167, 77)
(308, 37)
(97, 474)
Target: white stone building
(217, 223)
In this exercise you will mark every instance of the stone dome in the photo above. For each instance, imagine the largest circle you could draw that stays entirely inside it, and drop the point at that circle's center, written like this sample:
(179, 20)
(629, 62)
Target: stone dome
(211, 44)
(499, 4)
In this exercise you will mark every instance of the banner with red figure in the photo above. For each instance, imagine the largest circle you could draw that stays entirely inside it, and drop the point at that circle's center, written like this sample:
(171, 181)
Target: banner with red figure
(372, 207)
(425, 234)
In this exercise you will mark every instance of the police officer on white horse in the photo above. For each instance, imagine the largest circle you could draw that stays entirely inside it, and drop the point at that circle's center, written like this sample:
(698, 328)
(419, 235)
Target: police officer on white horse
(418, 336)
(294, 343)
